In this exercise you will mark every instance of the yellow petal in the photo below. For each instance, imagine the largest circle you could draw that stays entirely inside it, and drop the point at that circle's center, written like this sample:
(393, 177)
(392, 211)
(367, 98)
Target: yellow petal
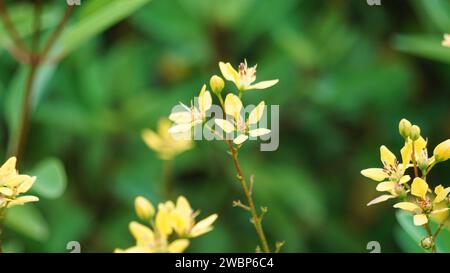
(439, 210)
(386, 186)
(441, 194)
(442, 151)
(183, 206)
(376, 174)
(6, 191)
(259, 132)
(408, 206)
(23, 200)
(152, 139)
(233, 105)
(181, 117)
(226, 126)
(380, 199)
(163, 220)
(181, 128)
(262, 85)
(178, 246)
(26, 184)
(406, 152)
(240, 139)
(256, 114)
(387, 157)
(204, 100)
(228, 72)
(419, 188)
(404, 179)
(144, 235)
(420, 219)
(203, 226)
(9, 167)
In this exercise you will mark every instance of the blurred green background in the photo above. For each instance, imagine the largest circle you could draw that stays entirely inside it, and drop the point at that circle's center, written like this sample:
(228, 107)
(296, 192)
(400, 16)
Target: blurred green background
(348, 73)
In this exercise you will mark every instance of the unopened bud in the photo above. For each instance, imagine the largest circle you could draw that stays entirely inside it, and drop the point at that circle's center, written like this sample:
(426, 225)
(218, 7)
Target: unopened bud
(144, 209)
(414, 132)
(427, 242)
(404, 127)
(216, 84)
(442, 151)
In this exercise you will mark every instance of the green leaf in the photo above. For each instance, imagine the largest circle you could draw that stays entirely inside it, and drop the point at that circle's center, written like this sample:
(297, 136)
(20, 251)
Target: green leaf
(424, 46)
(417, 233)
(51, 178)
(28, 221)
(96, 18)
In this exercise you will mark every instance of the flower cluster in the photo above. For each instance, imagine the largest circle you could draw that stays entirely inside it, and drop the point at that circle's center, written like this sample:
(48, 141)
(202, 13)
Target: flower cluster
(416, 196)
(169, 229)
(13, 184)
(233, 123)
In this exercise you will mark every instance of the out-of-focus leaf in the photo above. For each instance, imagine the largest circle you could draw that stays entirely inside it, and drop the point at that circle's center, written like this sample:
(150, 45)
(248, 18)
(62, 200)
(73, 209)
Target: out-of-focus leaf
(28, 221)
(96, 20)
(438, 12)
(423, 46)
(51, 178)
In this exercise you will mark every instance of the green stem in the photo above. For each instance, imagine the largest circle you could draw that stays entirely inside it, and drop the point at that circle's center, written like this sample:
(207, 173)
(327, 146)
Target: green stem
(256, 219)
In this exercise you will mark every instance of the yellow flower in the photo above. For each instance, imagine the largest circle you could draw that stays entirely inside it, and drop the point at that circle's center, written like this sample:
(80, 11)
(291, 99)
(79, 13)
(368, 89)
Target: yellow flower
(233, 107)
(244, 77)
(191, 116)
(169, 218)
(442, 151)
(162, 142)
(446, 41)
(12, 184)
(424, 207)
(183, 218)
(391, 176)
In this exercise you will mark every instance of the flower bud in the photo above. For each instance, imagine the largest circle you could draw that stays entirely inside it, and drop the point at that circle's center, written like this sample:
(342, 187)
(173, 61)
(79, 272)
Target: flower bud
(442, 151)
(404, 127)
(427, 242)
(144, 209)
(414, 132)
(217, 84)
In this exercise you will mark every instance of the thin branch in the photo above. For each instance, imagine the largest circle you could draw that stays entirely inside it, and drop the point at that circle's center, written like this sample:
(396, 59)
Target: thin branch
(11, 29)
(56, 33)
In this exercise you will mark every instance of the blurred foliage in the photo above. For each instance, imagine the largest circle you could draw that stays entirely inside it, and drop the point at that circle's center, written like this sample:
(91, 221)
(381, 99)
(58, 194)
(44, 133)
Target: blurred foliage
(348, 73)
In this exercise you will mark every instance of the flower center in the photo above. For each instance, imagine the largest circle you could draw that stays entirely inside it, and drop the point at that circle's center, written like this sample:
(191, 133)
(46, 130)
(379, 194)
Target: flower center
(247, 75)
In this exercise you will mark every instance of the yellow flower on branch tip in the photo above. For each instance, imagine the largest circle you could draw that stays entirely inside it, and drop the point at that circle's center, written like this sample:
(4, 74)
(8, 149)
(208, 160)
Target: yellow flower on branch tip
(166, 145)
(442, 151)
(238, 125)
(191, 116)
(392, 170)
(446, 40)
(12, 184)
(244, 77)
(184, 220)
(424, 206)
